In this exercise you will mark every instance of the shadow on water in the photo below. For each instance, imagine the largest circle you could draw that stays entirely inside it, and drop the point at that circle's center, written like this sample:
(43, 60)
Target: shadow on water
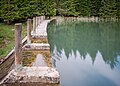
(87, 52)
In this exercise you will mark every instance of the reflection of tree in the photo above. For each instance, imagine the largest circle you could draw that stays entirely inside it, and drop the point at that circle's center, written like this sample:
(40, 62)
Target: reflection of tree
(87, 38)
(110, 34)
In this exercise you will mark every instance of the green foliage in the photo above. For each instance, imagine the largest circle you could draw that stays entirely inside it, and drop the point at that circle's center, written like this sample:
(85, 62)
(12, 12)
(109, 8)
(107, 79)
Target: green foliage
(108, 8)
(67, 8)
(102, 8)
(83, 7)
(94, 7)
(7, 38)
(118, 8)
(48, 8)
(11, 10)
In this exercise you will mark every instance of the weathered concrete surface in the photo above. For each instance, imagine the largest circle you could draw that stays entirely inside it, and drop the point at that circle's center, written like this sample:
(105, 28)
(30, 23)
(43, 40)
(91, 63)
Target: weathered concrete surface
(41, 30)
(18, 43)
(29, 56)
(29, 31)
(39, 61)
(42, 27)
(30, 84)
(44, 76)
(39, 40)
(6, 64)
(37, 46)
(33, 75)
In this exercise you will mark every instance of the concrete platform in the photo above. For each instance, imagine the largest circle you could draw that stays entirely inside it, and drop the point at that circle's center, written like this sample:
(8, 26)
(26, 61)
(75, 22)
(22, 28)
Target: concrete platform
(39, 36)
(33, 75)
(30, 84)
(39, 73)
(36, 46)
(39, 61)
(41, 30)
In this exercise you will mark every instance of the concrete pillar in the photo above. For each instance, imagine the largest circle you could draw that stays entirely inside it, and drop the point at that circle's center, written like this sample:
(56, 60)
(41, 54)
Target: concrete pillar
(42, 18)
(36, 21)
(29, 31)
(18, 44)
(34, 25)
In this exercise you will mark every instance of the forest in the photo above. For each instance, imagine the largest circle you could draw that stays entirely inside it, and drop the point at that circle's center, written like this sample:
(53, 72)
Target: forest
(14, 10)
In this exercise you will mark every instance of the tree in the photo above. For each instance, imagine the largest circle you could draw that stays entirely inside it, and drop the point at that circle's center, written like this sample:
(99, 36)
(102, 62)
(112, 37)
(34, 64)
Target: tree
(0, 11)
(12, 10)
(67, 8)
(9, 10)
(49, 8)
(108, 9)
(83, 7)
(118, 8)
(94, 7)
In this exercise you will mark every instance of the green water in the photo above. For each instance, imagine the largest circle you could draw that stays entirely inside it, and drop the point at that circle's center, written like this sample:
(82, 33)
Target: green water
(86, 53)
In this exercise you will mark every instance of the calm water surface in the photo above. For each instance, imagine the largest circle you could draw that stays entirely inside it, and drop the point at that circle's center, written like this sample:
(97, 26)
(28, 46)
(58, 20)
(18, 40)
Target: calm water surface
(86, 53)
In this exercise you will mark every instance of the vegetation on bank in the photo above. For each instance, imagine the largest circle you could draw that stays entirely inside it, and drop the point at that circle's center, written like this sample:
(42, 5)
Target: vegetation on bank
(7, 38)
(14, 10)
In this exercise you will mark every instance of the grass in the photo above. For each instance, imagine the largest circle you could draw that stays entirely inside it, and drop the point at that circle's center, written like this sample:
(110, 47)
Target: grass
(7, 38)
(30, 56)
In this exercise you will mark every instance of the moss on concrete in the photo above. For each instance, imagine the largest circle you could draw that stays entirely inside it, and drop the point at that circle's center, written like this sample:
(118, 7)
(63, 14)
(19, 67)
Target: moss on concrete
(40, 40)
(30, 56)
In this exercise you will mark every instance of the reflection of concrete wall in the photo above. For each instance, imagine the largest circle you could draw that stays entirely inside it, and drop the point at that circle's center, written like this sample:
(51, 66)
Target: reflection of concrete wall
(62, 20)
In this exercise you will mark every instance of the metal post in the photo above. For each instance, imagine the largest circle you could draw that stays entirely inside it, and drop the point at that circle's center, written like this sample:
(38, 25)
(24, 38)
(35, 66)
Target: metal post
(29, 31)
(18, 44)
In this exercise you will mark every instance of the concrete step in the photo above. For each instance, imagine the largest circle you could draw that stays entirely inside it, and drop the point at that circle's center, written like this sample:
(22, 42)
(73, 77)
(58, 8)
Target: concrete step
(36, 46)
(39, 61)
(34, 75)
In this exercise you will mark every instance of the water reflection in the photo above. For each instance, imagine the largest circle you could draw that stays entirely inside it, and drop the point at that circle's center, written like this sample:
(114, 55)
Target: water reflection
(86, 53)
(87, 37)
(77, 71)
